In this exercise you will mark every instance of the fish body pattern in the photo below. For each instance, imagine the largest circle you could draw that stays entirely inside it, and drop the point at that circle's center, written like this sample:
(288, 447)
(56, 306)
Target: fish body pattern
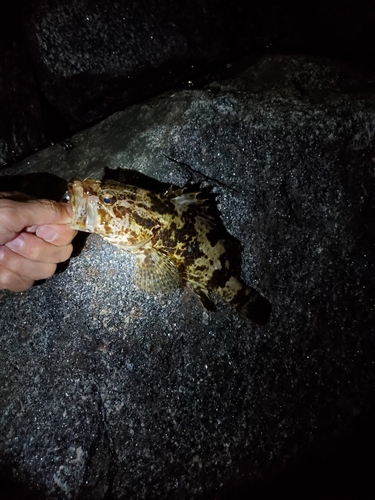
(175, 237)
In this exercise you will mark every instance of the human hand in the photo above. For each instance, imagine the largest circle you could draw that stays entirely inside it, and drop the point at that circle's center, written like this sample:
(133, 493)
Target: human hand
(33, 239)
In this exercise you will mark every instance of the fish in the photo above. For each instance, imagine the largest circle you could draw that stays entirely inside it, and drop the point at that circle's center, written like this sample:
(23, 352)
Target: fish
(176, 237)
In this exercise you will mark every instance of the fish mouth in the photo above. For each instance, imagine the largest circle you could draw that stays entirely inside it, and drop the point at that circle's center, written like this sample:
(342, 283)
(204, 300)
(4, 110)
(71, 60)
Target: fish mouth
(82, 197)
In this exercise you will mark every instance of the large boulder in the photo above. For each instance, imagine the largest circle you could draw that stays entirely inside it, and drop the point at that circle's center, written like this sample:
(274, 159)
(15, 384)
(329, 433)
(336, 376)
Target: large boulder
(67, 64)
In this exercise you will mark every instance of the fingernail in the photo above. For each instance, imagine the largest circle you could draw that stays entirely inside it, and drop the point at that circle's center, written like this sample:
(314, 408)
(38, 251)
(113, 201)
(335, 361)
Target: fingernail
(2, 252)
(47, 233)
(16, 244)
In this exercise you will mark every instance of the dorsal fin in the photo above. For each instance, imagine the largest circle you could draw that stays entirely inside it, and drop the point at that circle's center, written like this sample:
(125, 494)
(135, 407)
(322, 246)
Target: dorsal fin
(190, 201)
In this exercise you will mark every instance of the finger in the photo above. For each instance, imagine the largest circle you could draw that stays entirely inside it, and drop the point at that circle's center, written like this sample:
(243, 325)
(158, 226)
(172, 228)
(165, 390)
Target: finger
(13, 282)
(37, 250)
(49, 211)
(59, 235)
(25, 268)
(31, 229)
(16, 215)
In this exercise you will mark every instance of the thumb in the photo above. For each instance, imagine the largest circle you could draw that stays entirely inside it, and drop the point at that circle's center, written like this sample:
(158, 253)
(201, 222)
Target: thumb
(16, 215)
(47, 212)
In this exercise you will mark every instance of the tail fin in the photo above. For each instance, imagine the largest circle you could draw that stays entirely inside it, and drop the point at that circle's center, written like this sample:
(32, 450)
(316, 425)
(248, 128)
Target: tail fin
(255, 307)
(242, 297)
(246, 300)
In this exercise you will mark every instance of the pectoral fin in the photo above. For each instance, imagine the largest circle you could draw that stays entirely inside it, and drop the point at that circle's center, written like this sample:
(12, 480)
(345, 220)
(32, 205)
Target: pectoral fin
(155, 272)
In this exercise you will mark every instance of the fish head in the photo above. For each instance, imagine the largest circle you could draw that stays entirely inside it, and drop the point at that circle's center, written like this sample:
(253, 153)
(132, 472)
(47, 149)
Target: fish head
(113, 210)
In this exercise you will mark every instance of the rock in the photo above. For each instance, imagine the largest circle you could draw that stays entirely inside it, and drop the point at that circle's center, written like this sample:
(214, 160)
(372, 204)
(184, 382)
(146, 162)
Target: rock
(95, 58)
(75, 62)
(110, 393)
(21, 127)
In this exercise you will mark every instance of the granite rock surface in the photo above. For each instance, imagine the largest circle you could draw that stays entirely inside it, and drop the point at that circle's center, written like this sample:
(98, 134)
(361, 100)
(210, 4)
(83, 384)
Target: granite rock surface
(107, 392)
(67, 64)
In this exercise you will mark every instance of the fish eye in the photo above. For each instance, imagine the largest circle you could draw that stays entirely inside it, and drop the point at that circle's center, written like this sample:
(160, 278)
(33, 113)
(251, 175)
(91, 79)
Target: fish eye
(108, 198)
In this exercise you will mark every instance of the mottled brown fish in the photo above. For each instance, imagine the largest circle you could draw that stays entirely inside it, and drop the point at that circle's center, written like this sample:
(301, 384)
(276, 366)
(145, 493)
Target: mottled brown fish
(174, 236)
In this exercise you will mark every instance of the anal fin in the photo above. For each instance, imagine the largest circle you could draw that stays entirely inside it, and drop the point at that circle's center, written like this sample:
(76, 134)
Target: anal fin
(204, 296)
(155, 272)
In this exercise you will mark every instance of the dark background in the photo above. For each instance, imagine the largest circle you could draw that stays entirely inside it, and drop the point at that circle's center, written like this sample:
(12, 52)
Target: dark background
(56, 79)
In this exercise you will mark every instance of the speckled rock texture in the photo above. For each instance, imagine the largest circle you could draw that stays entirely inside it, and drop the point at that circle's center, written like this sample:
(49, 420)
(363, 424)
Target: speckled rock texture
(110, 393)
(69, 63)
(95, 57)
